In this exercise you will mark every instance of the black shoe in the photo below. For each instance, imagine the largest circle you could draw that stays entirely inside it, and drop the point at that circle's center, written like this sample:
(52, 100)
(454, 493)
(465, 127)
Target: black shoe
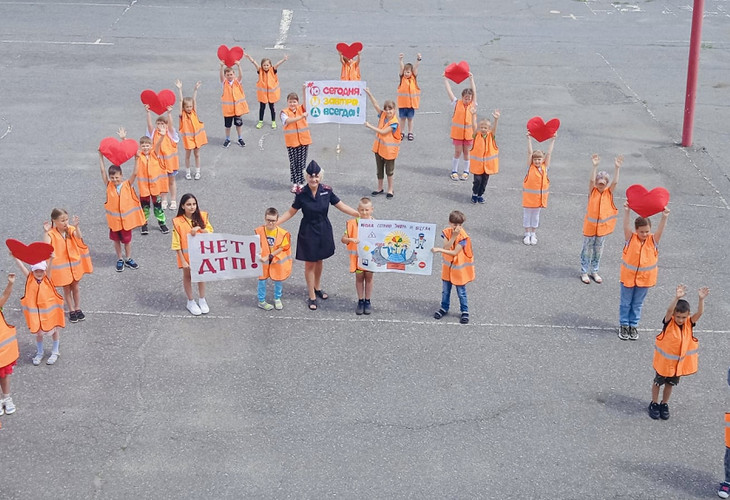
(654, 411)
(164, 229)
(72, 317)
(144, 229)
(360, 307)
(226, 143)
(633, 333)
(664, 411)
(368, 308)
(80, 315)
(464, 318)
(439, 314)
(241, 143)
(623, 332)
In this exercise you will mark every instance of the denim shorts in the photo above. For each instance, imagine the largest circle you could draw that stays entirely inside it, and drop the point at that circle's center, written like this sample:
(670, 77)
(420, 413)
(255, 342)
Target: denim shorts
(406, 112)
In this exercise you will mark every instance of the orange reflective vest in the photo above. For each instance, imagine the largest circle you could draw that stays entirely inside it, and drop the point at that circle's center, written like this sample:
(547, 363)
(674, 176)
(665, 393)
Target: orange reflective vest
(352, 228)
(123, 211)
(151, 176)
(42, 305)
(409, 94)
(267, 88)
(639, 262)
(168, 152)
(535, 187)
(71, 259)
(461, 122)
(675, 350)
(233, 99)
(388, 144)
(727, 430)
(296, 133)
(279, 268)
(182, 226)
(9, 351)
(484, 155)
(601, 213)
(192, 130)
(350, 70)
(459, 268)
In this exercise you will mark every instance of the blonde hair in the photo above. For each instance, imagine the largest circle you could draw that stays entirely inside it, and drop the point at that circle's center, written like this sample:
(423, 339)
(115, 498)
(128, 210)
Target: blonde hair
(188, 100)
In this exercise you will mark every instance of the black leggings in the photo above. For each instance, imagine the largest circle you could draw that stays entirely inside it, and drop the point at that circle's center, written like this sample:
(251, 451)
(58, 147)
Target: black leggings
(262, 108)
(480, 184)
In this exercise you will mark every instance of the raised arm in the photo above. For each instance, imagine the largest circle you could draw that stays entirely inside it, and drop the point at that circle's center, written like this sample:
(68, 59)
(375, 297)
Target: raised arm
(596, 161)
(702, 292)
(661, 226)
(402, 64)
(178, 84)
(8, 289)
(450, 92)
(628, 232)
(47, 226)
(679, 293)
(617, 162)
(529, 149)
(377, 107)
(22, 267)
(346, 209)
(133, 177)
(415, 65)
(102, 167)
(473, 87)
(76, 221)
(240, 73)
(150, 125)
(221, 71)
(195, 95)
(342, 58)
(283, 60)
(304, 96)
(549, 154)
(248, 56)
(495, 115)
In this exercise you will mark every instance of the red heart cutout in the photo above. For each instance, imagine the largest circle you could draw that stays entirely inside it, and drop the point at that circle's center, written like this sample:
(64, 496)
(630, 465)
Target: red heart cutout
(30, 254)
(647, 203)
(117, 151)
(541, 131)
(457, 72)
(158, 102)
(230, 56)
(349, 51)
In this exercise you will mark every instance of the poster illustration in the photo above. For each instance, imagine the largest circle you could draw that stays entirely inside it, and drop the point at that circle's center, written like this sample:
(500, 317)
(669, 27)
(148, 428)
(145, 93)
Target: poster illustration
(217, 256)
(395, 246)
(336, 101)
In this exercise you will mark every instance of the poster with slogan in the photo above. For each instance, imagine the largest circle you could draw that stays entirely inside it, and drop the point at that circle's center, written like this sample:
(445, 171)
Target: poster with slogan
(395, 246)
(217, 256)
(336, 101)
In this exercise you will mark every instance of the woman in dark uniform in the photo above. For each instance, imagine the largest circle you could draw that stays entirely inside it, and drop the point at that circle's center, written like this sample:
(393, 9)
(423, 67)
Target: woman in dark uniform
(315, 241)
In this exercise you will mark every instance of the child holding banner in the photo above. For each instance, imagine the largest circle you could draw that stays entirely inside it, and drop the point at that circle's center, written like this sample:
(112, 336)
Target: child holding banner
(276, 257)
(189, 221)
(267, 87)
(363, 279)
(458, 265)
(386, 144)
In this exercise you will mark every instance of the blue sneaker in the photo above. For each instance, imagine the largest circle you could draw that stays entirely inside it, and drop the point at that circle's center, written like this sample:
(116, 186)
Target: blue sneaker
(130, 263)
(474, 198)
(120, 265)
(480, 199)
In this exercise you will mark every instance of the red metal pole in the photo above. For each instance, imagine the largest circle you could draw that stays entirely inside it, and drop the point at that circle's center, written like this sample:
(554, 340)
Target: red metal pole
(695, 43)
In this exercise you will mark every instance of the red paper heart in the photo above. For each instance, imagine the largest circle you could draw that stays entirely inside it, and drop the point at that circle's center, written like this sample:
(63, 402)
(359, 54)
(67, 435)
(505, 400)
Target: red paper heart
(457, 72)
(30, 254)
(117, 151)
(647, 203)
(349, 51)
(158, 102)
(541, 131)
(230, 56)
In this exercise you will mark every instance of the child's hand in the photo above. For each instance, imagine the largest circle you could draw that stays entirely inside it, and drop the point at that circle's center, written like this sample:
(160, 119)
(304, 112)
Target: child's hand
(471, 75)
(665, 212)
(703, 292)
(11, 278)
(626, 206)
(435, 250)
(367, 90)
(147, 107)
(223, 63)
(457, 230)
(595, 159)
(618, 161)
(178, 84)
(400, 56)
(122, 133)
(285, 58)
(496, 114)
(169, 109)
(47, 226)
(305, 114)
(75, 220)
(418, 57)
(681, 291)
(194, 230)
(197, 85)
(262, 259)
(367, 124)
(472, 109)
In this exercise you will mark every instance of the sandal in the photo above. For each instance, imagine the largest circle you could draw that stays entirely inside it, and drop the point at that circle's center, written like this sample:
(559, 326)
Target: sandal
(376, 193)
(597, 278)
(410, 136)
(464, 176)
(585, 279)
(322, 295)
(454, 176)
(312, 304)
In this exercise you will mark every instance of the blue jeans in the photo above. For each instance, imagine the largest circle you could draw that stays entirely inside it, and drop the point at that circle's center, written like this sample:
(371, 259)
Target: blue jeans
(446, 296)
(632, 300)
(278, 289)
(590, 255)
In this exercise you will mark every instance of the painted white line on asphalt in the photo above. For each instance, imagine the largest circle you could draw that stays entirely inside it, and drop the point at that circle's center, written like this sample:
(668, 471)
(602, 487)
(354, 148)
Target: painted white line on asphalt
(84, 4)
(7, 131)
(261, 141)
(707, 179)
(53, 42)
(643, 103)
(284, 25)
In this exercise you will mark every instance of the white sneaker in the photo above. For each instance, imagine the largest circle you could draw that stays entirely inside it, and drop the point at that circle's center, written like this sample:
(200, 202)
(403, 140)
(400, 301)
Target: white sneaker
(533, 239)
(203, 306)
(193, 308)
(9, 406)
(37, 359)
(197, 176)
(2, 411)
(526, 239)
(265, 306)
(164, 204)
(188, 176)
(278, 305)
(173, 205)
(52, 358)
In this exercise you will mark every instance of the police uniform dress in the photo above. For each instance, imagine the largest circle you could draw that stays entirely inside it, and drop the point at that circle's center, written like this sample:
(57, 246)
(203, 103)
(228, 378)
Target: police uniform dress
(315, 240)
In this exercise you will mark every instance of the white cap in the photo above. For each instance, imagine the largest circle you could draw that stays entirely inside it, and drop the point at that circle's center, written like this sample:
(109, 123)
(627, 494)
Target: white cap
(40, 266)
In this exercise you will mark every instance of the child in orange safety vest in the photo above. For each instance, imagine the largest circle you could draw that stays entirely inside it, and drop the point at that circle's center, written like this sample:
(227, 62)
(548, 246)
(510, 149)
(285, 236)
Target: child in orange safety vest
(535, 189)
(387, 143)
(462, 126)
(165, 139)
(363, 278)
(675, 349)
(71, 259)
(43, 308)
(276, 258)
(152, 182)
(484, 156)
(297, 138)
(724, 490)
(409, 94)
(458, 265)
(191, 128)
(123, 210)
(600, 219)
(350, 67)
(233, 102)
(638, 270)
(267, 87)
(9, 352)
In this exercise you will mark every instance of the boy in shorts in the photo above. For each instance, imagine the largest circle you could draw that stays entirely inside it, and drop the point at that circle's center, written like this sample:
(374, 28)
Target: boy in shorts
(233, 102)
(675, 349)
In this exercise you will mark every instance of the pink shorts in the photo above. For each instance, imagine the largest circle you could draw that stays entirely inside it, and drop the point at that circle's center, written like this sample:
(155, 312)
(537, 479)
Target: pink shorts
(458, 142)
(121, 236)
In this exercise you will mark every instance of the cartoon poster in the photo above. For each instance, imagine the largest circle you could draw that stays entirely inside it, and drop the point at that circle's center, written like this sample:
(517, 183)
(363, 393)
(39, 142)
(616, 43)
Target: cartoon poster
(336, 101)
(217, 256)
(396, 246)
